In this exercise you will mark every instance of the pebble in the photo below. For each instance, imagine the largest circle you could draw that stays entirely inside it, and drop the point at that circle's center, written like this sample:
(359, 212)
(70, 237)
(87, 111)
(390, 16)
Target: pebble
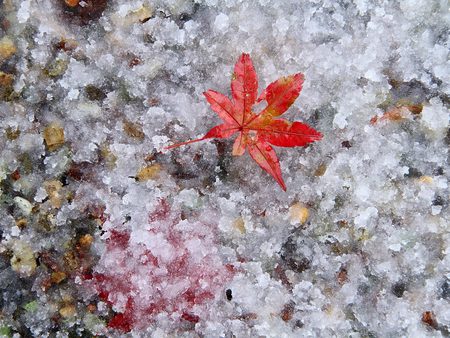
(7, 48)
(53, 136)
(150, 172)
(67, 311)
(58, 277)
(23, 260)
(53, 188)
(133, 130)
(239, 225)
(25, 206)
(298, 213)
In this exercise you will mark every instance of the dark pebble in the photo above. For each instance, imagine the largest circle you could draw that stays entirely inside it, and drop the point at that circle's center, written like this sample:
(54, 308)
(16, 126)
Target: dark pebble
(438, 171)
(229, 294)
(398, 289)
(413, 173)
(346, 144)
(438, 201)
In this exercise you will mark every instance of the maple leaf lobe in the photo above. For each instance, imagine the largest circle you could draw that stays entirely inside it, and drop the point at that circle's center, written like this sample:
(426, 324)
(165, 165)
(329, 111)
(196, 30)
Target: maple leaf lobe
(265, 156)
(239, 145)
(281, 94)
(244, 87)
(222, 105)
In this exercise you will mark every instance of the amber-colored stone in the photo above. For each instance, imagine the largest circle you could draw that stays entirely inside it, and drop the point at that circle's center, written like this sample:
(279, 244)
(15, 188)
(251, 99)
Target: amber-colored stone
(426, 179)
(150, 172)
(6, 79)
(239, 225)
(298, 213)
(342, 223)
(46, 222)
(72, 3)
(68, 311)
(142, 14)
(21, 223)
(401, 111)
(58, 277)
(85, 241)
(53, 136)
(7, 48)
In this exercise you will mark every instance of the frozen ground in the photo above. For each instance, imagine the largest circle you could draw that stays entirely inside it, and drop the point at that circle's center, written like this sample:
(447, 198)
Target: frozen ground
(103, 234)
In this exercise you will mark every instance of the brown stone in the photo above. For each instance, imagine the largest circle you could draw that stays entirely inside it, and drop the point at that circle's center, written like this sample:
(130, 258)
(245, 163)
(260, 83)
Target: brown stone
(71, 260)
(91, 10)
(133, 130)
(58, 277)
(7, 48)
(429, 319)
(15, 175)
(342, 276)
(150, 172)
(85, 241)
(52, 188)
(287, 312)
(6, 79)
(239, 225)
(72, 3)
(298, 213)
(321, 169)
(12, 134)
(68, 311)
(53, 136)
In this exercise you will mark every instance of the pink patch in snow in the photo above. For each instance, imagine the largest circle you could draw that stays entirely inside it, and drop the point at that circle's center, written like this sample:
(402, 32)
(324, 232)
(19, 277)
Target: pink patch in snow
(171, 267)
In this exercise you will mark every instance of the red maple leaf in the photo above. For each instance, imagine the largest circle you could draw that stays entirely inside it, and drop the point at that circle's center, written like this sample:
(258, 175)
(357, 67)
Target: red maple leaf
(257, 132)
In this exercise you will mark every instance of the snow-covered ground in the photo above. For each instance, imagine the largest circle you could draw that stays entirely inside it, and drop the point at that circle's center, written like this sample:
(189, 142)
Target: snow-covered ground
(105, 233)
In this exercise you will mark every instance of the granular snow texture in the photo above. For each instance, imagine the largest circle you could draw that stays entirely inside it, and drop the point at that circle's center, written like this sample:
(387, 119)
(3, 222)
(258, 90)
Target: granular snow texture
(105, 233)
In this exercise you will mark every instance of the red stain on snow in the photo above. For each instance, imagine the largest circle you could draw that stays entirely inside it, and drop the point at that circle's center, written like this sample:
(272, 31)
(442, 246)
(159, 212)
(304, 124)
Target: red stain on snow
(176, 269)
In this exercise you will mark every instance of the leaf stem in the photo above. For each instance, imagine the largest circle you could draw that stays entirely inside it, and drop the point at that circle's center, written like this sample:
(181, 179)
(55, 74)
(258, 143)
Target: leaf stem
(184, 143)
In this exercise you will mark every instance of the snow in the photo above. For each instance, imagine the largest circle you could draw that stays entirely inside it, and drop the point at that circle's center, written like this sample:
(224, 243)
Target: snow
(436, 116)
(221, 22)
(358, 245)
(23, 14)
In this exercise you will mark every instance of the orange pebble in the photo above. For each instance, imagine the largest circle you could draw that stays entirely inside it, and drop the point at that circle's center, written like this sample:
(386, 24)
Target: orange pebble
(72, 3)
